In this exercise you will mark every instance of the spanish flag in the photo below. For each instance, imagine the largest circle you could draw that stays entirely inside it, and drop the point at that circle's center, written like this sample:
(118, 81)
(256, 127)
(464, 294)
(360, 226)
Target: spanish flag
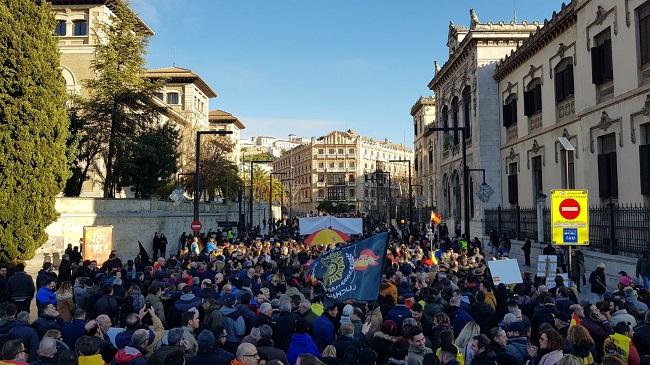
(436, 218)
(575, 320)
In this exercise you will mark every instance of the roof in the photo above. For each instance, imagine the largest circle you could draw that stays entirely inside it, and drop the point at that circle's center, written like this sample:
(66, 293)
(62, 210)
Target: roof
(422, 101)
(219, 116)
(552, 28)
(111, 4)
(181, 75)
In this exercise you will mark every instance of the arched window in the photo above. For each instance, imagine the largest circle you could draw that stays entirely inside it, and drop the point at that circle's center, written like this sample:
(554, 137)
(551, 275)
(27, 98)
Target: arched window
(510, 111)
(564, 79)
(445, 123)
(533, 97)
(454, 118)
(467, 102)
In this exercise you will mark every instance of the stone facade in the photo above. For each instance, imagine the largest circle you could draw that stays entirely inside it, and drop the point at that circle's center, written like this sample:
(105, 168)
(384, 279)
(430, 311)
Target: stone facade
(424, 116)
(606, 121)
(332, 168)
(467, 97)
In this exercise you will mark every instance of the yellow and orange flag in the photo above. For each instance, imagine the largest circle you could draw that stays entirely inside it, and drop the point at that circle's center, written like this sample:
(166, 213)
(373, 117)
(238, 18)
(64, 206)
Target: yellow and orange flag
(575, 320)
(436, 218)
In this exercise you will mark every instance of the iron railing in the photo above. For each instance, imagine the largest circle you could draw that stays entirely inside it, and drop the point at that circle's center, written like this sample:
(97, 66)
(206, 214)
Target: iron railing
(613, 228)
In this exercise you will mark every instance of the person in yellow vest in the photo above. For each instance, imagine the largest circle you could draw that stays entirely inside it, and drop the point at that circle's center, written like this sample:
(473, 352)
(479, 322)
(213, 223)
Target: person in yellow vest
(621, 343)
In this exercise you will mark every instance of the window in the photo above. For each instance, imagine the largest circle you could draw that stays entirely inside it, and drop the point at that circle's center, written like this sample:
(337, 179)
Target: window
(607, 172)
(564, 80)
(351, 178)
(538, 187)
(336, 193)
(510, 111)
(352, 194)
(321, 177)
(80, 27)
(601, 58)
(416, 163)
(445, 123)
(571, 169)
(467, 102)
(643, 14)
(513, 187)
(351, 151)
(321, 193)
(321, 165)
(415, 129)
(471, 197)
(454, 117)
(331, 151)
(173, 99)
(533, 97)
(341, 165)
(160, 96)
(644, 159)
(351, 164)
(60, 29)
(321, 151)
(340, 151)
(430, 155)
(331, 165)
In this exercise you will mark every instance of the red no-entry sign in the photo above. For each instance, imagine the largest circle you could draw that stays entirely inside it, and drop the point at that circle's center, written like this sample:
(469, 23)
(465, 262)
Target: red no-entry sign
(569, 208)
(196, 226)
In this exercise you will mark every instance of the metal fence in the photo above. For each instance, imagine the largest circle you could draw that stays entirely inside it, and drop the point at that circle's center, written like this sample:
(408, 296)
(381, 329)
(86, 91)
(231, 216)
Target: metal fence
(613, 228)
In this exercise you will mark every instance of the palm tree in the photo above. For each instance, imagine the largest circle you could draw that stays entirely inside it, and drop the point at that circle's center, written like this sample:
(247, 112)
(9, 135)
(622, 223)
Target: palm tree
(261, 185)
(219, 175)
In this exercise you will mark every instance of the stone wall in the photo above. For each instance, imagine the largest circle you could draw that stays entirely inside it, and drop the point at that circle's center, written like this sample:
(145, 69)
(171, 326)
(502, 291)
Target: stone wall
(135, 220)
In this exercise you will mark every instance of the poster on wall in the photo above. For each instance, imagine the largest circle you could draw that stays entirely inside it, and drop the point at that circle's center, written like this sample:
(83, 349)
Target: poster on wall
(98, 243)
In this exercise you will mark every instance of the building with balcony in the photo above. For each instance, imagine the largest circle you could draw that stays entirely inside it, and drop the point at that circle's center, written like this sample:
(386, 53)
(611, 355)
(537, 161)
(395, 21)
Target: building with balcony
(584, 76)
(334, 168)
(424, 116)
(467, 97)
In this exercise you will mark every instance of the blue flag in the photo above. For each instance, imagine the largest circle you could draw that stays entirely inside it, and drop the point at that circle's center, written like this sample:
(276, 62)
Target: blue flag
(352, 272)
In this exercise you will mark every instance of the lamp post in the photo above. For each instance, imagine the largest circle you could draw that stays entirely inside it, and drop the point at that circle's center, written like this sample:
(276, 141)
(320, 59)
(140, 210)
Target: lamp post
(465, 172)
(250, 204)
(419, 208)
(410, 191)
(197, 175)
(271, 199)
(290, 195)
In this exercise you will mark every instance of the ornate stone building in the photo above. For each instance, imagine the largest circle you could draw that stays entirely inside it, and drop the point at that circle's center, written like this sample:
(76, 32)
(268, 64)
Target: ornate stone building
(584, 76)
(467, 97)
(424, 116)
(333, 168)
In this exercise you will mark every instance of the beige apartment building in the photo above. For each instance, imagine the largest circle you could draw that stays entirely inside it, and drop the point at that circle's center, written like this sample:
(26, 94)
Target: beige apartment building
(185, 95)
(583, 78)
(224, 121)
(334, 168)
(424, 116)
(466, 97)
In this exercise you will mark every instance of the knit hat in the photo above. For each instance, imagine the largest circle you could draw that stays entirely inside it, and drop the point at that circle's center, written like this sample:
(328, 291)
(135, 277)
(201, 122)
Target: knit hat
(205, 340)
(347, 312)
(625, 281)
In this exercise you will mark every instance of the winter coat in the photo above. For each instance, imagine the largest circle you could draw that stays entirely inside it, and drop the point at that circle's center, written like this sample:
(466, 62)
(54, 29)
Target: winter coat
(485, 358)
(342, 344)
(129, 356)
(285, 326)
(398, 314)
(65, 306)
(234, 323)
(72, 331)
(45, 296)
(643, 266)
(551, 358)
(187, 301)
(622, 315)
(625, 347)
(597, 281)
(80, 296)
(158, 357)
(483, 314)
(269, 352)
(91, 360)
(207, 358)
(43, 360)
(599, 332)
(634, 304)
(65, 271)
(43, 276)
(518, 348)
(157, 306)
(382, 343)
(416, 355)
(108, 305)
(20, 286)
(323, 331)
(309, 317)
(190, 341)
(301, 343)
(459, 318)
(23, 331)
(46, 323)
(642, 339)
(584, 353)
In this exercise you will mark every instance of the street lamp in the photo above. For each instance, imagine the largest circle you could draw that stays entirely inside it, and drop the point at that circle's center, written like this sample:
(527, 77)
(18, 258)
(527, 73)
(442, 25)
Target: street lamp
(251, 191)
(197, 175)
(290, 195)
(271, 198)
(410, 191)
(465, 172)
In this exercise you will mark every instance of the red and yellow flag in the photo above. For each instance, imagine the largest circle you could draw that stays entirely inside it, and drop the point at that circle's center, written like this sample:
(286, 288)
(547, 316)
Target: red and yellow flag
(436, 218)
(575, 320)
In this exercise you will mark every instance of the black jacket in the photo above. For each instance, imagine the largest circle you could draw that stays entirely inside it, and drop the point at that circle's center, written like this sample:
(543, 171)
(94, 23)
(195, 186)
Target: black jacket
(269, 352)
(486, 358)
(642, 339)
(284, 328)
(44, 324)
(208, 357)
(107, 304)
(159, 356)
(20, 286)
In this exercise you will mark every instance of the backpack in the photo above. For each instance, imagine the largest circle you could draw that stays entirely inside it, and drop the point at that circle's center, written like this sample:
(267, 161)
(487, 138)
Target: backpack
(235, 326)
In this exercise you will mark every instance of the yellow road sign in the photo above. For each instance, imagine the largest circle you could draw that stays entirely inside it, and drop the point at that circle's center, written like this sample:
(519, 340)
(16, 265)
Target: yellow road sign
(570, 217)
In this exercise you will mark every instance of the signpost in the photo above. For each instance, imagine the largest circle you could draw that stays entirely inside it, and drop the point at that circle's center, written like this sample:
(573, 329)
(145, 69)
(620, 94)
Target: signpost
(570, 219)
(196, 226)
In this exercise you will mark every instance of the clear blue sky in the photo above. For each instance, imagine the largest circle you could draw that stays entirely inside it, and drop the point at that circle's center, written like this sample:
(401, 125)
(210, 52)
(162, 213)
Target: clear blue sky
(311, 66)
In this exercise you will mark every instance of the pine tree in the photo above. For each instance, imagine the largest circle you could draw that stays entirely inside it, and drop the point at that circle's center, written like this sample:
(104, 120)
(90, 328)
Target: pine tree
(121, 104)
(33, 127)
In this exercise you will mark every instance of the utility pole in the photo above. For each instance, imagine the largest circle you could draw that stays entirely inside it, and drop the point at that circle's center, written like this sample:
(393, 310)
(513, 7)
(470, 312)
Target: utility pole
(197, 175)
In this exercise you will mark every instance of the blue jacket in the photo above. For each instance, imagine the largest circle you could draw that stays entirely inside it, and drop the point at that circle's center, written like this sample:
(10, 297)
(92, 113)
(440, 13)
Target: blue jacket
(323, 329)
(459, 318)
(72, 331)
(301, 343)
(45, 296)
(398, 314)
(23, 331)
(187, 301)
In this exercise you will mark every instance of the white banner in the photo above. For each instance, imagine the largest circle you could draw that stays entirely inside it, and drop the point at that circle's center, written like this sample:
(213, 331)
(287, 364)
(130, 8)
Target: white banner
(309, 225)
(505, 271)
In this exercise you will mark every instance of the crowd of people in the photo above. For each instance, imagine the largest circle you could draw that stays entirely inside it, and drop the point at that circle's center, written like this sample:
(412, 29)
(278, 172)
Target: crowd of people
(228, 300)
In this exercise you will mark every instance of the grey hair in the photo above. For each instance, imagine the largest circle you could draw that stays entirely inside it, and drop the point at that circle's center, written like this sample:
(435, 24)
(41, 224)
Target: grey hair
(266, 331)
(23, 316)
(47, 347)
(265, 307)
(285, 306)
(140, 337)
